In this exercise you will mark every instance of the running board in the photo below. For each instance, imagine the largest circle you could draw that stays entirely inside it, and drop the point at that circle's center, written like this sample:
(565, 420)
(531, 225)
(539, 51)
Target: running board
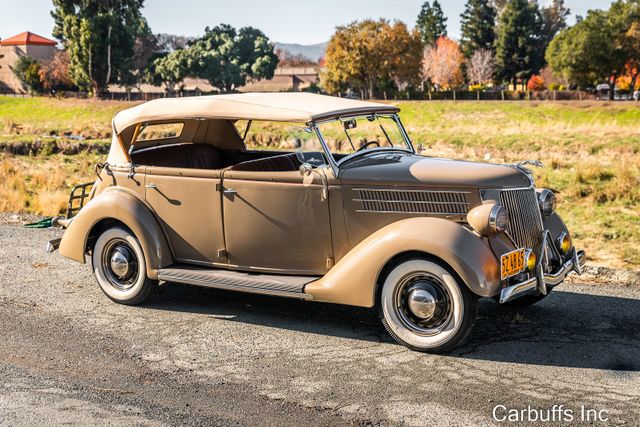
(268, 284)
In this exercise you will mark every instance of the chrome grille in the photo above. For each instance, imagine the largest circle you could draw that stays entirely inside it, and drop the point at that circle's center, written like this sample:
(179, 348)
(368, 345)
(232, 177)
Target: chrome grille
(525, 221)
(443, 203)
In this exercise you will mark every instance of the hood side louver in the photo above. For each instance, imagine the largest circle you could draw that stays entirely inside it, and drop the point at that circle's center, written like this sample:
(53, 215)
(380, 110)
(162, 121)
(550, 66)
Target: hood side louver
(440, 203)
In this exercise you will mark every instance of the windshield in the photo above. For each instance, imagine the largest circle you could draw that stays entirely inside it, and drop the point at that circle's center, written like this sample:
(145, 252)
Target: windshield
(344, 137)
(347, 136)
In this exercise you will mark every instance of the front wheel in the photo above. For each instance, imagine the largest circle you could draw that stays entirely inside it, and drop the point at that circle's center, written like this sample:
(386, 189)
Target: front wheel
(425, 307)
(120, 268)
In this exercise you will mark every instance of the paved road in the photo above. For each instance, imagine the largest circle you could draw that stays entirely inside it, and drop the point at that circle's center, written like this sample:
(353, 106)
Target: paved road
(198, 356)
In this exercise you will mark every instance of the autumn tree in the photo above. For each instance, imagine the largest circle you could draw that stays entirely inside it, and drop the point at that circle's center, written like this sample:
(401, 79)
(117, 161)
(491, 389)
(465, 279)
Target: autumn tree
(625, 16)
(431, 22)
(100, 38)
(54, 75)
(517, 41)
(477, 27)
(441, 63)
(368, 55)
(481, 67)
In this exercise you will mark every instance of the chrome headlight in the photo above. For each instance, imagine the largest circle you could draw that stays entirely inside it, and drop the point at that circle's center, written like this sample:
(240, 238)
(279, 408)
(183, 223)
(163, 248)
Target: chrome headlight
(488, 219)
(547, 202)
(498, 219)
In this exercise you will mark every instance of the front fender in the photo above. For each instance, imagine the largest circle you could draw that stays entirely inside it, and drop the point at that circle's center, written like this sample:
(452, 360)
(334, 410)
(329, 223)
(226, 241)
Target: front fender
(118, 204)
(353, 279)
(555, 224)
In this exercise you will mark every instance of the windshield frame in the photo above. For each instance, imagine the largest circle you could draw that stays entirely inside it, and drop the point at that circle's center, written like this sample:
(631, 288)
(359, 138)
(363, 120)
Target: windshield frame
(336, 166)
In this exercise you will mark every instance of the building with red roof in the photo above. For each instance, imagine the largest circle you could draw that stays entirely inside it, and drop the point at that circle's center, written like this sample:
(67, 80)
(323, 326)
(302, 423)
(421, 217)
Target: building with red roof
(27, 39)
(12, 48)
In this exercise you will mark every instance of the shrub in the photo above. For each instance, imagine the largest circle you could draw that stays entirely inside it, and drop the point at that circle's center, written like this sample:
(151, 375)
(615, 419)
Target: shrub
(554, 86)
(474, 88)
(536, 83)
(27, 70)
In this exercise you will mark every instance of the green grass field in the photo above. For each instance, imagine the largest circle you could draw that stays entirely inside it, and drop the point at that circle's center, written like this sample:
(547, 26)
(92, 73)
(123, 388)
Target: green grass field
(591, 153)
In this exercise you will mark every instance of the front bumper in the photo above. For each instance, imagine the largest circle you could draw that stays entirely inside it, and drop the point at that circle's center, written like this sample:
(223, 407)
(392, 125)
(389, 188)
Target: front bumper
(539, 285)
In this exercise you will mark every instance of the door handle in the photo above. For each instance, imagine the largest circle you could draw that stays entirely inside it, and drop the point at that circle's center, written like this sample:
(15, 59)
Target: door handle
(152, 186)
(230, 191)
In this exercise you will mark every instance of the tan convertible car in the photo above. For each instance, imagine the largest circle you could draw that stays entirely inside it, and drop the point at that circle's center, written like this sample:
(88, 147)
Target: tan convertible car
(333, 204)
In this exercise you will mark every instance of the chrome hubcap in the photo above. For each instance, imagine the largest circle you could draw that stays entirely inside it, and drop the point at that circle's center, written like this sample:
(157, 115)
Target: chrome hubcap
(423, 303)
(120, 261)
(120, 264)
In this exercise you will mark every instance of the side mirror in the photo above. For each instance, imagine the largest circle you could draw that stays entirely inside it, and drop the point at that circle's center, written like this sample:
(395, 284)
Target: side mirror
(305, 169)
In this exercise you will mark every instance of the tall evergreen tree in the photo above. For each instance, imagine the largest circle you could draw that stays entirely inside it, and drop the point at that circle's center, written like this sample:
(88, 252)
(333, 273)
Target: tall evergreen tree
(478, 26)
(431, 23)
(518, 41)
(100, 37)
(553, 19)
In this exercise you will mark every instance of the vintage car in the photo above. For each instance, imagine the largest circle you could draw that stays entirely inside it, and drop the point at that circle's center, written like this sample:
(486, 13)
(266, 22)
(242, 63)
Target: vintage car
(344, 212)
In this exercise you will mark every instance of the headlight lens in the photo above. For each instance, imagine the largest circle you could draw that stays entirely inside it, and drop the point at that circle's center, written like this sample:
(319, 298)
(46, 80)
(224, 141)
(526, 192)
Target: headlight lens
(547, 202)
(498, 219)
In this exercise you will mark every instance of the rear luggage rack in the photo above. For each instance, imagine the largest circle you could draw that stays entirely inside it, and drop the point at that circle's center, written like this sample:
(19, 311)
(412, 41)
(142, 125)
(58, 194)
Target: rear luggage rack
(79, 194)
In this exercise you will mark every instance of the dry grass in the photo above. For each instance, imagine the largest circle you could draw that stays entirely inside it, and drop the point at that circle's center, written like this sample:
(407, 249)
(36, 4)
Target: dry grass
(37, 185)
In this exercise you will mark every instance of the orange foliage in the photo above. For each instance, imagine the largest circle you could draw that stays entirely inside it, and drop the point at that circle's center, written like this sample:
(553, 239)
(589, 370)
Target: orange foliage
(536, 83)
(441, 63)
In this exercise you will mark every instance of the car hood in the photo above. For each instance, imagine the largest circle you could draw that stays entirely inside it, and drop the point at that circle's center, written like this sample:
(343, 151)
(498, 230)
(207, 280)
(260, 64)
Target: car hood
(409, 170)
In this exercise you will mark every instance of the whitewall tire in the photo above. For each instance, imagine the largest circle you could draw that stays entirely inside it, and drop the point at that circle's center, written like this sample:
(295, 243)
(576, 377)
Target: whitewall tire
(120, 268)
(425, 307)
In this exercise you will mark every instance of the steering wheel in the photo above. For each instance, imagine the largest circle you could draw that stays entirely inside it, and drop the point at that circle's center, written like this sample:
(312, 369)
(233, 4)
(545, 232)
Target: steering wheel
(367, 144)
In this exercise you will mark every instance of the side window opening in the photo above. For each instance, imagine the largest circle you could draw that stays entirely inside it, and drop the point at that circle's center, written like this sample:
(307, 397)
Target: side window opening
(160, 131)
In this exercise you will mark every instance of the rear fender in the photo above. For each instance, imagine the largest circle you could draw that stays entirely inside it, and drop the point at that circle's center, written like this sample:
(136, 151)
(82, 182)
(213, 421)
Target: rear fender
(118, 204)
(354, 278)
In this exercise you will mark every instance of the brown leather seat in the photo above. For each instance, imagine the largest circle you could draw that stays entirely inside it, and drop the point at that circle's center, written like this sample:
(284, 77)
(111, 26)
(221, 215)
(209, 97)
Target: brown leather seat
(282, 163)
(190, 156)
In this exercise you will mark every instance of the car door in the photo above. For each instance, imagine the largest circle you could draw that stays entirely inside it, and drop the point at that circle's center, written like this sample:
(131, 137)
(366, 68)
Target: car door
(187, 202)
(277, 221)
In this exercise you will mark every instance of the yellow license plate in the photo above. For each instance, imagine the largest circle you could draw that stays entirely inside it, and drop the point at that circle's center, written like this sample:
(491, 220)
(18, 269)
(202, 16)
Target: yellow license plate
(512, 263)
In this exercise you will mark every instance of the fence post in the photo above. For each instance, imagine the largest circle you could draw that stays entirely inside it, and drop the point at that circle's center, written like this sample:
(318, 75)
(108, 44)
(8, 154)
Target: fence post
(478, 95)
(454, 94)
(502, 94)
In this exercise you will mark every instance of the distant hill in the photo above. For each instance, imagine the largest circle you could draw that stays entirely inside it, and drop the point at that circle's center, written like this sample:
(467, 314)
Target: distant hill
(311, 51)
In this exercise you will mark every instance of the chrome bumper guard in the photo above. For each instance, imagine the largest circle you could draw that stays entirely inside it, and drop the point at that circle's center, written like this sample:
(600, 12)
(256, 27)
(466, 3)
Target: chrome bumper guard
(542, 281)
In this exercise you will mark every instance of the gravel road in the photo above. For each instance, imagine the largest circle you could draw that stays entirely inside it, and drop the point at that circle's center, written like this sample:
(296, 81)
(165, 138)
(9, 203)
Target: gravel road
(201, 357)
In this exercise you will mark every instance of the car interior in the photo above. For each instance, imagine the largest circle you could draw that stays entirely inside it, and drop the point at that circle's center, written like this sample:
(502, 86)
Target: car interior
(211, 144)
(206, 156)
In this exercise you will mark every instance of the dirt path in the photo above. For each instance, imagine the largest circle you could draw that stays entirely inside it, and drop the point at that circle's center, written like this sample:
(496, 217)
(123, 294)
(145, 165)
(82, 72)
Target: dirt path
(198, 356)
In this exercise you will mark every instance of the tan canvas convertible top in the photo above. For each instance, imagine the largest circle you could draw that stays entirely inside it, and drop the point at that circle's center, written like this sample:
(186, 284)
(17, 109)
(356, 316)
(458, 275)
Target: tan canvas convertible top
(282, 107)
(208, 119)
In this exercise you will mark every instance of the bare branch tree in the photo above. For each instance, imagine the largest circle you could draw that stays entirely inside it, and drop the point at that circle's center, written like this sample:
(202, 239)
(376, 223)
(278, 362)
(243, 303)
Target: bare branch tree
(441, 63)
(481, 66)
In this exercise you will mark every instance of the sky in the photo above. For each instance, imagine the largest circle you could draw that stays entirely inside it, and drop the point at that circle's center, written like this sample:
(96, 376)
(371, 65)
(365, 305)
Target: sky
(286, 21)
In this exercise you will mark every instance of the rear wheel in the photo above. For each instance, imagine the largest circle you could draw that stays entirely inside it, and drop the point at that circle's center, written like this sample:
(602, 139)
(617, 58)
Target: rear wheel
(120, 268)
(425, 307)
